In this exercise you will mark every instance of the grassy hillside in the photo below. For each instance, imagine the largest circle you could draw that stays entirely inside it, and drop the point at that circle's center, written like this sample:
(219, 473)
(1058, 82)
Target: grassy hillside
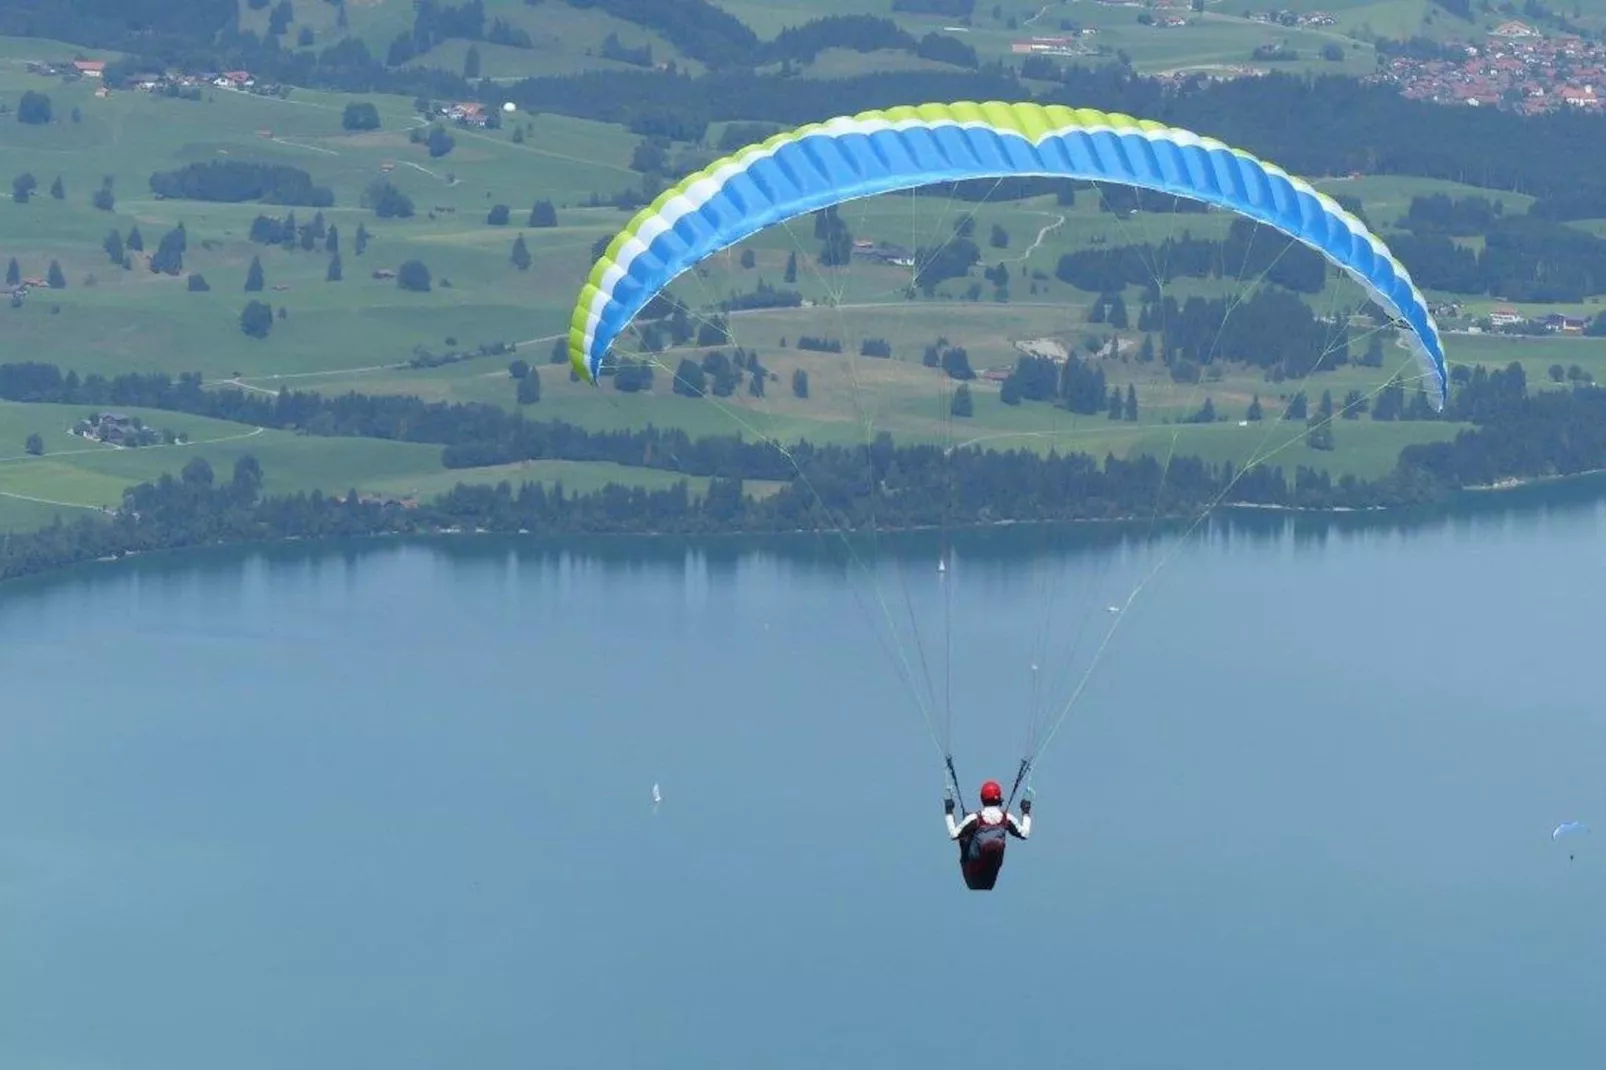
(75, 475)
(359, 333)
(565, 39)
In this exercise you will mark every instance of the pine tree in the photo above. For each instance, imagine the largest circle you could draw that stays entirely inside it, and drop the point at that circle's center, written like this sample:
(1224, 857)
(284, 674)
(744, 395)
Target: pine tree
(962, 405)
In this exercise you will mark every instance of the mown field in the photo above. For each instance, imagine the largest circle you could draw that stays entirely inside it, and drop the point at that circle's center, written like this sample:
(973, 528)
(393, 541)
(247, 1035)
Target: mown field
(566, 39)
(359, 333)
(75, 475)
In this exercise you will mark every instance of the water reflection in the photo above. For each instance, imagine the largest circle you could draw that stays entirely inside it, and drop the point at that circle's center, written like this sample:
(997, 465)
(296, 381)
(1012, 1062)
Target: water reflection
(709, 563)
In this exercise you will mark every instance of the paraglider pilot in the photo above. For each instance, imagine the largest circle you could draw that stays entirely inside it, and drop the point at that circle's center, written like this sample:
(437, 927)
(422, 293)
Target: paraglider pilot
(983, 834)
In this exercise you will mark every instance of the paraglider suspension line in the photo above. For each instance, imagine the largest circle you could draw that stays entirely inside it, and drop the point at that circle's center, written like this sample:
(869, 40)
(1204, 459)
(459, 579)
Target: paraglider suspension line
(959, 793)
(1020, 778)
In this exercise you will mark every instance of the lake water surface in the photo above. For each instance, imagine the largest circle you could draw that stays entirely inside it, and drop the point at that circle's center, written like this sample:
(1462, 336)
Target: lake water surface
(387, 805)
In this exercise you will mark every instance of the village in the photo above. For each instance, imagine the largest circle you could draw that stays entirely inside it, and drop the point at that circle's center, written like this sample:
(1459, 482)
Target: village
(1517, 68)
(189, 85)
(167, 83)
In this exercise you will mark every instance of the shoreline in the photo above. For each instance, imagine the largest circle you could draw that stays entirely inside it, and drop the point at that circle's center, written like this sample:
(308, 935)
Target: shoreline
(1465, 495)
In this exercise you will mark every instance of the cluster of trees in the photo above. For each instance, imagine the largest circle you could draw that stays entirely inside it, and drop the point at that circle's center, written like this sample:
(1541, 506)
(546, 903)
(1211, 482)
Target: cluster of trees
(880, 485)
(435, 22)
(238, 180)
(435, 139)
(697, 28)
(386, 201)
(94, 21)
(34, 108)
(1524, 257)
(952, 259)
(719, 374)
(24, 185)
(1554, 432)
(836, 242)
(168, 259)
(614, 49)
(256, 318)
(1249, 252)
(309, 236)
(952, 359)
(1271, 329)
(1075, 384)
(762, 295)
(54, 278)
(360, 115)
(103, 198)
(528, 380)
(1454, 217)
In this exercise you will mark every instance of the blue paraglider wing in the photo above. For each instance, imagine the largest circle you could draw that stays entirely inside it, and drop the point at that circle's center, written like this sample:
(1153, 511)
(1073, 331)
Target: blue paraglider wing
(878, 152)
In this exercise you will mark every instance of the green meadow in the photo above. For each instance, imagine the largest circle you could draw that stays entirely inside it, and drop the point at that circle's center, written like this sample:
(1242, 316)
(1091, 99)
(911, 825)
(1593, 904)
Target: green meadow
(361, 332)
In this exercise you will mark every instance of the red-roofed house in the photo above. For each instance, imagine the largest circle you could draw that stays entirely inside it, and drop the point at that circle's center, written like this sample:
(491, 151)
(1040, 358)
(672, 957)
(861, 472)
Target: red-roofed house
(90, 68)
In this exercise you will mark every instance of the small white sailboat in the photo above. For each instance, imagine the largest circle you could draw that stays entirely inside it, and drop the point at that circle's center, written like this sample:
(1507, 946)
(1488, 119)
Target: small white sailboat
(657, 796)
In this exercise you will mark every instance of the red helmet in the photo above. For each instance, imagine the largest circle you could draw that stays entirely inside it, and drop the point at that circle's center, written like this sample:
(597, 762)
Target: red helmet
(991, 793)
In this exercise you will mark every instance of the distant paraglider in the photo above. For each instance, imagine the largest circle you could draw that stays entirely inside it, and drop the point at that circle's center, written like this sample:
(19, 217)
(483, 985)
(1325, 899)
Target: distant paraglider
(1566, 833)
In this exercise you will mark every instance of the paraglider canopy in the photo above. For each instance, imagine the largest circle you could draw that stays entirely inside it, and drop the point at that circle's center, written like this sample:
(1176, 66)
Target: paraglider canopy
(1566, 832)
(875, 152)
